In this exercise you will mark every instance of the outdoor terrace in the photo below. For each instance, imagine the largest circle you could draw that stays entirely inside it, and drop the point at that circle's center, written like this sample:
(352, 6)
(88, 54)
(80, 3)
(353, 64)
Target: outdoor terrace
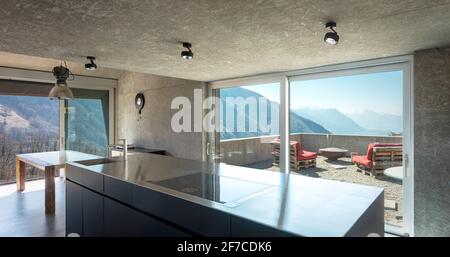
(257, 153)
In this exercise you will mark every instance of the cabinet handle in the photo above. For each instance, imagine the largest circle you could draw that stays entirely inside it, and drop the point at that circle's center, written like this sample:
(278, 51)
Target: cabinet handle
(208, 147)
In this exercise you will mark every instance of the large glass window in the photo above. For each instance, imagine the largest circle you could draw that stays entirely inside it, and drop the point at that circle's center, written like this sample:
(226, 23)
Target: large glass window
(249, 124)
(27, 124)
(346, 124)
(30, 122)
(350, 129)
(87, 121)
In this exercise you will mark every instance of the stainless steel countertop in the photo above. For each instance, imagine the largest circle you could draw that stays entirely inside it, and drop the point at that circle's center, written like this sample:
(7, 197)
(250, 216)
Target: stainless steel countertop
(297, 204)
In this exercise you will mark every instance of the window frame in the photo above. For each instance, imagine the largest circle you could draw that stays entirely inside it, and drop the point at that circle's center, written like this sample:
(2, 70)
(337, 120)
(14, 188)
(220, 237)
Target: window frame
(404, 63)
(84, 82)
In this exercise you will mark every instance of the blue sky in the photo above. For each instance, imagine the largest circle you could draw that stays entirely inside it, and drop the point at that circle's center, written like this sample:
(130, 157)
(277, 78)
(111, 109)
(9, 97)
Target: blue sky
(380, 92)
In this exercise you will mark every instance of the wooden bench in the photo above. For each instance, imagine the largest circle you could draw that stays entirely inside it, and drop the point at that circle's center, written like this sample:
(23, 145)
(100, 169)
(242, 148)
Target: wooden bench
(386, 157)
(381, 158)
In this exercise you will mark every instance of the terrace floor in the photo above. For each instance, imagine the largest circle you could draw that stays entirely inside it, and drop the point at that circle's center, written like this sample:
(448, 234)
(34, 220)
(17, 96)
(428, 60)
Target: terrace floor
(343, 170)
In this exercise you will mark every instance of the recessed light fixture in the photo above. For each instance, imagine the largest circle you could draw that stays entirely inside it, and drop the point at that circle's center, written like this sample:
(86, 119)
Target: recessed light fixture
(187, 55)
(331, 38)
(60, 90)
(90, 65)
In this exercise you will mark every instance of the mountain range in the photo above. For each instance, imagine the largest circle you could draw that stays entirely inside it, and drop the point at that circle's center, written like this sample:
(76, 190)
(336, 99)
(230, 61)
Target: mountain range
(311, 120)
(333, 120)
(21, 116)
(29, 115)
(380, 122)
(298, 124)
(34, 117)
(359, 123)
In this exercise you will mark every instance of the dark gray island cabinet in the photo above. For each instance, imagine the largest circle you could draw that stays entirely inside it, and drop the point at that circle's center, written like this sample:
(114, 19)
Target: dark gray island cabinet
(125, 199)
(98, 205)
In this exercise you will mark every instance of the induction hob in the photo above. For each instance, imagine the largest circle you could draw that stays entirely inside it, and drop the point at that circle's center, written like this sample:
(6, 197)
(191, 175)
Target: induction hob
(214, 187)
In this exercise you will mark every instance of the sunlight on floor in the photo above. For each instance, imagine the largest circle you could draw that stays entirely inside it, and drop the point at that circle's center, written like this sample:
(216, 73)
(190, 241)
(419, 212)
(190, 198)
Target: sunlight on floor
(30, 186)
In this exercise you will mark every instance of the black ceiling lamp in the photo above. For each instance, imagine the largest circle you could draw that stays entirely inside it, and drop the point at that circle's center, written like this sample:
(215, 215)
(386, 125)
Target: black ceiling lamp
(331, 38)
(90, 65)
(60, 90)
(187, 55)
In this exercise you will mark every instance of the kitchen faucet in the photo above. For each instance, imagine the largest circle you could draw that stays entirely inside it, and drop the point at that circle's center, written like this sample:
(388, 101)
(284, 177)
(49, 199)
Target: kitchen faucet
(124, 147)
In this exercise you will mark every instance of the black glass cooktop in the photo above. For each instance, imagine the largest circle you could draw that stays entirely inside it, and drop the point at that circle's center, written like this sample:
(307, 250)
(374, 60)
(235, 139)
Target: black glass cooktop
(213, 187)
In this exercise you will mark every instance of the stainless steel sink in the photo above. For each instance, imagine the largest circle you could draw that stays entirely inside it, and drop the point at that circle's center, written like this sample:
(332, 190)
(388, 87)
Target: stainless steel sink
(96, 161)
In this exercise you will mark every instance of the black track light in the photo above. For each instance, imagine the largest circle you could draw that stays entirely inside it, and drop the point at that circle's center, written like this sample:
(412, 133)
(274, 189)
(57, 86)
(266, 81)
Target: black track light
(187, 55)
(90, 65)
(331, 38)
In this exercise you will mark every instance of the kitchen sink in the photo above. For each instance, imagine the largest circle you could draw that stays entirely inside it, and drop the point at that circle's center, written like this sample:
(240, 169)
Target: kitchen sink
(96, 161)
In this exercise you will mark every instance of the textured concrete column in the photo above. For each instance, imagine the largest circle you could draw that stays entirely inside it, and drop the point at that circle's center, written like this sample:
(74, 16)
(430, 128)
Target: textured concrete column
(152, 128)
(432, 142)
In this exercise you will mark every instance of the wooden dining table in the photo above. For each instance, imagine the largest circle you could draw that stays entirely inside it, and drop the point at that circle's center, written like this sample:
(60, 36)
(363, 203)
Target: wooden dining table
(48, 162)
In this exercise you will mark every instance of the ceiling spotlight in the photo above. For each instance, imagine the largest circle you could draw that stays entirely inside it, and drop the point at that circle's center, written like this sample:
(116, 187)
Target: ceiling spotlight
(60, 90)
(187, 55)
(331, 38)
(90, 65)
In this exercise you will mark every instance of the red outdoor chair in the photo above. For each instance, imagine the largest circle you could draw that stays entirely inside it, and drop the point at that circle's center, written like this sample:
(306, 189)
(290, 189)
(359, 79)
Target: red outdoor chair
(299, 158)
(379, 157)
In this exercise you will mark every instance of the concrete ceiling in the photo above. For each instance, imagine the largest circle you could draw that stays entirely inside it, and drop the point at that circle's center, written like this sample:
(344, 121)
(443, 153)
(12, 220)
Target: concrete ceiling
(230, 38)
(46, 64)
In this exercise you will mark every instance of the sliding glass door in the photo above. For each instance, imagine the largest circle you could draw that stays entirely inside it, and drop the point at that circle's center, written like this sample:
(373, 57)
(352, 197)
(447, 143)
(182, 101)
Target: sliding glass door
(87, 121)
(349, 123)
(249, 125)
(349, 128)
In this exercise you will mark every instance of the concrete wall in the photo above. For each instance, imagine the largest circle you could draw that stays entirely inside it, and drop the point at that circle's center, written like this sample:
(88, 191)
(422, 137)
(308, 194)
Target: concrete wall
(152, 129)
(432, 142)
(247, 151)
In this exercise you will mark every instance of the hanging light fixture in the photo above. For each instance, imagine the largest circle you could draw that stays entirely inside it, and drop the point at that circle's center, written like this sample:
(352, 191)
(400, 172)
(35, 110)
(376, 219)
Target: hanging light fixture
(60, 90)
(331, 38)
(187, 55)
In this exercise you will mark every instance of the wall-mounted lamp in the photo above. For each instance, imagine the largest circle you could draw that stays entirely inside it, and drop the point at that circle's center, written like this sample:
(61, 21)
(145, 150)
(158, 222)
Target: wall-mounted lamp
(139, 101)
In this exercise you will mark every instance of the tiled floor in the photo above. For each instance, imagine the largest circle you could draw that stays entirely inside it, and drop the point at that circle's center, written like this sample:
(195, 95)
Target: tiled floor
(23, 213)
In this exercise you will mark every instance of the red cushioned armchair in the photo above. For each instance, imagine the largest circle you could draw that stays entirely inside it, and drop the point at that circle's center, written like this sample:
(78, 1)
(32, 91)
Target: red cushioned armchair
(379, 157)
(299, 158)
(303, 155)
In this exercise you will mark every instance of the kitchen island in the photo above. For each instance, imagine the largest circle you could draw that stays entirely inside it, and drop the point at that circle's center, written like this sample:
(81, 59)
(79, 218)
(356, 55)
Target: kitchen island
(154, 195)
